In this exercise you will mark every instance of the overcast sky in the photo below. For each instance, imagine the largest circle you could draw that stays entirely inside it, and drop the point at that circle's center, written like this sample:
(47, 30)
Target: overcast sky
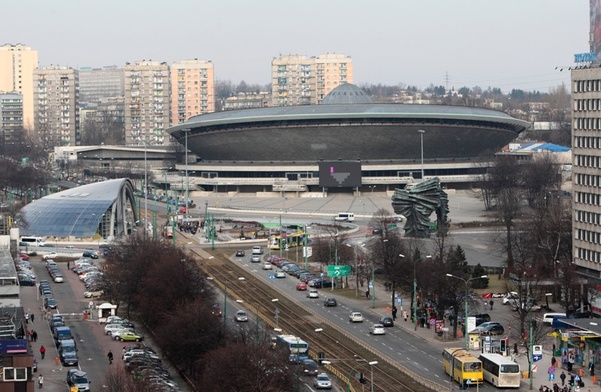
(501, 43)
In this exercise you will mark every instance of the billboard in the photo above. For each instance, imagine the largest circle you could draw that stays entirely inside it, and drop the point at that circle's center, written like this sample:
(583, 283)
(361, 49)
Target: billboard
(595, 27)
(339, 174)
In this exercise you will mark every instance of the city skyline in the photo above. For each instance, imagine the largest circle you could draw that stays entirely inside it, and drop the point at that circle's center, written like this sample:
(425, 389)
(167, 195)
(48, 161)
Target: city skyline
(509, 44)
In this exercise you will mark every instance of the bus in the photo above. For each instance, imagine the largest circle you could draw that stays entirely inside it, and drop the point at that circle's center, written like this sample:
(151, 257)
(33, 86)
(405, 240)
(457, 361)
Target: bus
(344, 216)
(32, 241)
(500, 371)
(298, 349)
(462, 366)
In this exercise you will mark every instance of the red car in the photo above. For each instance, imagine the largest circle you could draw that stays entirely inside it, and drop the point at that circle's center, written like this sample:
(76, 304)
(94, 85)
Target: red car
(24, 256)
(301, 286)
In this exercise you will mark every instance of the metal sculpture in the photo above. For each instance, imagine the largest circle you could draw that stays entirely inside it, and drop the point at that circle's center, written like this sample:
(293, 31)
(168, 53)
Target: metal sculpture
(417, 204)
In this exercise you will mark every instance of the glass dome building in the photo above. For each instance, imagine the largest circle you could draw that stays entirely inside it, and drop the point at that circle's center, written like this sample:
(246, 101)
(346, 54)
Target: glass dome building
(99, 210)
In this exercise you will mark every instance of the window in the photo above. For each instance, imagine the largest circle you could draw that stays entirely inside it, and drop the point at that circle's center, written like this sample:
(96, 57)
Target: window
(15, 374)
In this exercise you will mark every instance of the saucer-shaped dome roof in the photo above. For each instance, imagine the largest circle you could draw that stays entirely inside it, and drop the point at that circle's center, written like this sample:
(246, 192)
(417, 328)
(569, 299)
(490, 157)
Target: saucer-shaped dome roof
(346, 94)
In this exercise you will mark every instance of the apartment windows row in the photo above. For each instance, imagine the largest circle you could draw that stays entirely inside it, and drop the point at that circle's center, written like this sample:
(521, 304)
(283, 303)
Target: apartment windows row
(587, 198)
(587, 161)
(592, 218)
(587, 124)
(588, 180)
(587, 104)
(587, 142)
(589, 236)
(583, 86)
(588, 255)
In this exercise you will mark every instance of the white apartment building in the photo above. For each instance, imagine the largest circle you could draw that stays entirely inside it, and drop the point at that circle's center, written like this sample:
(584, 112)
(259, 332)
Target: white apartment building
(56, 100)
(147, 103)
(192, 89)
(17, 63)
(299, 80)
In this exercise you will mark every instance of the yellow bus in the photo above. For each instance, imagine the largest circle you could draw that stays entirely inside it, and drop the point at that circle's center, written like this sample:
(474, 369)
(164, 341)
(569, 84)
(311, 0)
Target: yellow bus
(462, 366)
(287, 240)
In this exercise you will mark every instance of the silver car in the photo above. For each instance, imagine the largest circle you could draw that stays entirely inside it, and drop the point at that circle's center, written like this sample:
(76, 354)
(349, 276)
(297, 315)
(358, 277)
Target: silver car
(241, 316)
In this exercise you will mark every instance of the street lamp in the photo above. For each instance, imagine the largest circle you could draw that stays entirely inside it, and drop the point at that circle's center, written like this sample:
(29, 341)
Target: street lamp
(187, 179)
(415, 293)
(305, 250)
(372, 364)
(421, 137)
(145, 195)
(467, 342)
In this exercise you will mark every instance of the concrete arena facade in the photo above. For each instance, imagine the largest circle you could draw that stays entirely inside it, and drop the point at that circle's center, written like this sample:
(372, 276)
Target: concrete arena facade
(281, 147)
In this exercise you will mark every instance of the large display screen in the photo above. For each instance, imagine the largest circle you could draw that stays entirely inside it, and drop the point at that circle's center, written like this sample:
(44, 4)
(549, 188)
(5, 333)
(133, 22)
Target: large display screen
(340, 174)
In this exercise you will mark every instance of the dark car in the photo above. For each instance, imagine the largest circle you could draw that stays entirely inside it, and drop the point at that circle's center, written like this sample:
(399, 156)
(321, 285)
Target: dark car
(330, 301)
(387, 321)
(240, 253)
(322, 283)
(490, 328)
(310, 367)
(26, 281)
(216, 310)
(50, 303)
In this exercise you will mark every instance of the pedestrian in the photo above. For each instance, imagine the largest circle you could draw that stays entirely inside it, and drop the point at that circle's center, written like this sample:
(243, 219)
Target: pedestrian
(40, 381)
(34, 336)
(367, 294)
(110, 357)
(32, 317)
(491, 303)
(515, 349)
(394, 312)
(29, 335)
(563, 378)
(123, 352)
(43, 351)
(68, 264)
(26, 318)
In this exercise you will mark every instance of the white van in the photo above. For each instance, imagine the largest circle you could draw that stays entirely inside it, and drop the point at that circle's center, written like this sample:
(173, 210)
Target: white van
(345, 216)
(33, 241)
(257, 250)
(548, 317)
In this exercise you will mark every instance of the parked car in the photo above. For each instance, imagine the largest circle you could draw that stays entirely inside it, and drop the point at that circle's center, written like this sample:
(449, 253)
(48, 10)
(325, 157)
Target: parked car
(241, 316)
(78, 379)
(387, 321)
(130, 336)
(312, 293)
(356, 317)
(377, 329)
(330, 301)
(322, 381)
(490, 328)
(510, 297)
(90, 253)
(528, 305)
(58, 278)
(115, 329)
(93, 294)
(322, 283)
(50, 303)
(50, 256)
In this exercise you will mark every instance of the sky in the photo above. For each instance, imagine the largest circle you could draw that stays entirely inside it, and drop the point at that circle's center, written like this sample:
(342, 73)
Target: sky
(453, 43)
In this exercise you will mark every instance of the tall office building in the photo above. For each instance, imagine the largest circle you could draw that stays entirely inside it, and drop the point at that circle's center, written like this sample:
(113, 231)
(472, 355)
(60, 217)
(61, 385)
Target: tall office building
(11, 120)
(299, 80)
(192, 89)
(56, 99)
(98, 83)
(146, 103)
(17, 63)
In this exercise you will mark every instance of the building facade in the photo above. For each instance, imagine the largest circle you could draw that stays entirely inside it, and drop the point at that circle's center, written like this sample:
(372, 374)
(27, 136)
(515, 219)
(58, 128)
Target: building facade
(147, 103)
(299, 80)
(17, 63)
(56, 106)
(98, 83)
(11, 120)
(192, 89)
(586, 169)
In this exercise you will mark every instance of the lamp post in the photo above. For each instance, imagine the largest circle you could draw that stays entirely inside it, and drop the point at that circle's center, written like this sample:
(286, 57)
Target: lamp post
(467, 341)
(372, 364)
(187, 179)
(415, 293)
(145, 195)
(305, 250)
(421, 138)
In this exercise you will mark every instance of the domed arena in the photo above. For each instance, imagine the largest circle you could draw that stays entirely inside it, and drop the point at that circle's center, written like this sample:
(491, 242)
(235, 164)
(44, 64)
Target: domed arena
(292, 149)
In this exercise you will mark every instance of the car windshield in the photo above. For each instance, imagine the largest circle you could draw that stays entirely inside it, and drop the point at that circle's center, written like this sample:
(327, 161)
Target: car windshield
(323, 378)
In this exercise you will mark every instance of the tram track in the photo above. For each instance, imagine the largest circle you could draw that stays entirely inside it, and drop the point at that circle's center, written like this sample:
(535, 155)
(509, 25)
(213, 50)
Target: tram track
(345, 354)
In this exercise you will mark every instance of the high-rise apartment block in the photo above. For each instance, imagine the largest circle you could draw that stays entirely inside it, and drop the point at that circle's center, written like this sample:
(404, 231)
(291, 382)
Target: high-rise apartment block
(192, 89)
(299, 80)
(147, 103)
(56, 114)
(11, 120)
(17, 63)
(98, 83)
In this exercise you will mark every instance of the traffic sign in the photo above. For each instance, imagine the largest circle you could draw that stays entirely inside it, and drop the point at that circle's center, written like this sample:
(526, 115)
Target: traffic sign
(370, 284)
(337, 271)
(307, 251)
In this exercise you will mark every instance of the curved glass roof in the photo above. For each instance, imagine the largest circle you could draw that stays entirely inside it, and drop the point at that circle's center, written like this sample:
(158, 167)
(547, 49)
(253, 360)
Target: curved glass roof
(74, 212)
